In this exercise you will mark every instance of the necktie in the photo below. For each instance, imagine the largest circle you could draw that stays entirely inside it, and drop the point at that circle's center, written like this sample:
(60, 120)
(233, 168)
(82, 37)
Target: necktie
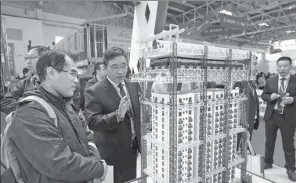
(251, 88)
(281, 93)
(129, 114)
(122, 92)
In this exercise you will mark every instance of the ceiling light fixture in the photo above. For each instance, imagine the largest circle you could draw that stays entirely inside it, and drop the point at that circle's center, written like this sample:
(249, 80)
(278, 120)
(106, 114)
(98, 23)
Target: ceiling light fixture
(263, 24)
(226, 12)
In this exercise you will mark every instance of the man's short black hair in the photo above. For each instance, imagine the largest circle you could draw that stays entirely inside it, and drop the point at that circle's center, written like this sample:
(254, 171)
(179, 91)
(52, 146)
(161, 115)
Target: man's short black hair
(112, 53)
(41, 49)
(97, 67)
(50, 59)
(25, 70)
(284, 59)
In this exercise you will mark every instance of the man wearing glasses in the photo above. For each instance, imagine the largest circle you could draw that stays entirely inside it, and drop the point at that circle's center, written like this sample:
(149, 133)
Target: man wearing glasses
(47, 153)
(113, 112)
(9, 102)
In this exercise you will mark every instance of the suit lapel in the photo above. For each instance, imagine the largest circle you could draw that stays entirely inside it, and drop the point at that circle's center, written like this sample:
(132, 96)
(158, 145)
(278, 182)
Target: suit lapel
(110, 90)
(289, 84)
(275, 84)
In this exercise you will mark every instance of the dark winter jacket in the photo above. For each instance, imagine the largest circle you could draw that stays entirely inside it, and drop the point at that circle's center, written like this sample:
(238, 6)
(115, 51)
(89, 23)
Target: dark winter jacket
(48, 154)
(9, 102)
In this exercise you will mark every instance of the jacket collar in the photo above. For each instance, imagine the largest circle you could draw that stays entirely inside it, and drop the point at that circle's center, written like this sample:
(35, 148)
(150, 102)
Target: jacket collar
(286, 77)
(115, 84)
(50, 97)
(95, 79)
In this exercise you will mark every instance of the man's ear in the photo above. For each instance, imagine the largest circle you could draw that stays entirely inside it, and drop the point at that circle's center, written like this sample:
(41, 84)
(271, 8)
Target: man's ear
(104, 68)
(50, 73)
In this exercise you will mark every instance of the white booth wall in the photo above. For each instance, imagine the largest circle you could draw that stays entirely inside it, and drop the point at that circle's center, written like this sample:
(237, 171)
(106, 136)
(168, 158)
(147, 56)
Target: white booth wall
(272, 58)
(289, 50)
(33, 24)
(40, 32)
(30, 30)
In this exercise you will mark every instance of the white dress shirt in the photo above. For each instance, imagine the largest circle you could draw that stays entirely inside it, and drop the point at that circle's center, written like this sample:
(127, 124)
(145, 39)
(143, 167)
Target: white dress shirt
(115, 85)
(286, 81)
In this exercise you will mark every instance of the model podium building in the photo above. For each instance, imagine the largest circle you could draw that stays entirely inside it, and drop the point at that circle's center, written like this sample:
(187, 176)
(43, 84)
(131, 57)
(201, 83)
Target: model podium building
(194, 127)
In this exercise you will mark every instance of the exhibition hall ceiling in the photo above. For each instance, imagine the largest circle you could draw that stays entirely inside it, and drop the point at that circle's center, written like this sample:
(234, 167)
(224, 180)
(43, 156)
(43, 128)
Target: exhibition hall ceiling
(260, 21)
(234, 22)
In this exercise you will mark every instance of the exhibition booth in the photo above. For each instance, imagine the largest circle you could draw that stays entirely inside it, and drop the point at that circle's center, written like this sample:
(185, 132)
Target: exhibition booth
(194, 130)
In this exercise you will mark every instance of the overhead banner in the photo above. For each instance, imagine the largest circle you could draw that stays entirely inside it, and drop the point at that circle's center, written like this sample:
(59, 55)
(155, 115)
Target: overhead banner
(120, 37)
(217, 30)
(232, 22)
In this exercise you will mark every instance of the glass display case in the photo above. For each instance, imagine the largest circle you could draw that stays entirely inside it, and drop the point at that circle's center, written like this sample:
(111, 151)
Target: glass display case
(192, 133)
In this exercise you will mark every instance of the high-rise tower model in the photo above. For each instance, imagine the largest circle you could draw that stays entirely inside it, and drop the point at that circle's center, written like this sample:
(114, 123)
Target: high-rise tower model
(188, 132)
(188, 137)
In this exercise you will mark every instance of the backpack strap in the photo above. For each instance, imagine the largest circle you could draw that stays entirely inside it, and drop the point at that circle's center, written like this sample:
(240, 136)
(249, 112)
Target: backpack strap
(4, 166)
(45, 105)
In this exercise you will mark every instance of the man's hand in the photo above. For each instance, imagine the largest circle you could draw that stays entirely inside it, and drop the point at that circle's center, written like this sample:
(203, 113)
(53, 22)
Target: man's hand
(274, 96)
(288, 100)
(248, 136)
(123, 107)
(105, 170)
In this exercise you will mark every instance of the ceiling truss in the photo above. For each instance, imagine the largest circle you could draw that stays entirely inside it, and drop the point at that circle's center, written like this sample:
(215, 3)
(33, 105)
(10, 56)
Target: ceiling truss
(279, 17)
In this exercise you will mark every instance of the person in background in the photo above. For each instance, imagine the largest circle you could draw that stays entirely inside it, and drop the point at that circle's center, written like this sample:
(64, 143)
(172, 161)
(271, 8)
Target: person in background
(280, 95)
(261, 81)
(98, 75)
(129, 72)
(9, 102)
(249, 89)
(46, 153)
(268, 75)
(26, 73)
(252, 103)
(112, 110)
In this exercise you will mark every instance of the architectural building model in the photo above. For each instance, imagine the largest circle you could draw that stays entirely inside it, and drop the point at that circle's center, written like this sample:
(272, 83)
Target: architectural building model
(194, 126)
(188, 135)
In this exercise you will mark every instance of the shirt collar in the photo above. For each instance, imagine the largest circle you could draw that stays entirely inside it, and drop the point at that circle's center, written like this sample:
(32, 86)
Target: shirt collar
(97, 78)
(287, 77)
(115, 84)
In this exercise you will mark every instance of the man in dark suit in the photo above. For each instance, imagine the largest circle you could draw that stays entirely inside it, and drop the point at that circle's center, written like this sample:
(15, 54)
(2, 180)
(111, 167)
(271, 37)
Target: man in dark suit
(99, 75)
(249, 89)
(113, 112)
(280, 95)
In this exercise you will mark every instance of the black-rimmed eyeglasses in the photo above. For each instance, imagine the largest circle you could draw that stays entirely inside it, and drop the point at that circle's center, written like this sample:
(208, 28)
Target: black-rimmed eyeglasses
(72, 73)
